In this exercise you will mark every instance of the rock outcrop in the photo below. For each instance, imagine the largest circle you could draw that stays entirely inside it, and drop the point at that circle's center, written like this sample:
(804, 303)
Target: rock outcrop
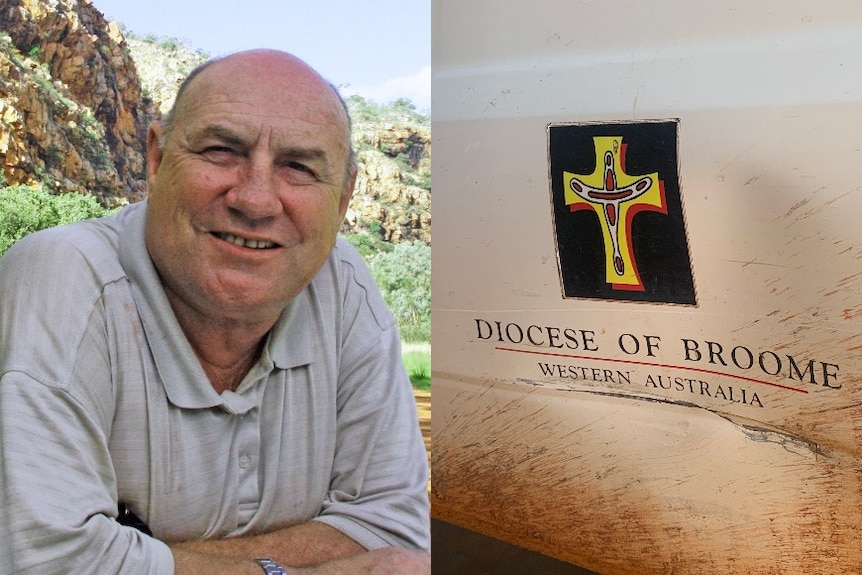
(162, 64)
(73, 116)
(393, 191)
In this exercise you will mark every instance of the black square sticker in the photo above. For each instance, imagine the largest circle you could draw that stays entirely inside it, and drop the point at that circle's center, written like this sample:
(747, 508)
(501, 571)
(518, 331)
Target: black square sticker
(618, 215)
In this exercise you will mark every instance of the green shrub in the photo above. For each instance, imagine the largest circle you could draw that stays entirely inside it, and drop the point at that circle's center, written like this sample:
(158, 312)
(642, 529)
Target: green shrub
(368, 245)
(404, 278)
(24, 209)
(399, 111)
(424, 180)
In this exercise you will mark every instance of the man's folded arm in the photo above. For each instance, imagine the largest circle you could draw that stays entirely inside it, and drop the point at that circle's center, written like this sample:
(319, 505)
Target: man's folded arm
(57, 490)
(309, 543)
(389, 561)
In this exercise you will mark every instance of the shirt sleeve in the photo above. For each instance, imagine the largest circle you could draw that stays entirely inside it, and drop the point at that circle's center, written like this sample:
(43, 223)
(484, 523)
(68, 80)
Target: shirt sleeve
(57, 484)
(378, 491)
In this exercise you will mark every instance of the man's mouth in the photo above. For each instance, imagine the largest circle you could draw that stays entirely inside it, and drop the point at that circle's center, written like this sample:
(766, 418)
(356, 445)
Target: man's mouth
(243, 242)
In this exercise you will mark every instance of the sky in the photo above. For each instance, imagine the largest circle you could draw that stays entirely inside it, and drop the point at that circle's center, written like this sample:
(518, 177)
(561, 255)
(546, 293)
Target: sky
(379, 49)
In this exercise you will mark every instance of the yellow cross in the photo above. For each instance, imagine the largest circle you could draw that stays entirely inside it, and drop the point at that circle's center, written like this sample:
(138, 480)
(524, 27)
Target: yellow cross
(616, 197)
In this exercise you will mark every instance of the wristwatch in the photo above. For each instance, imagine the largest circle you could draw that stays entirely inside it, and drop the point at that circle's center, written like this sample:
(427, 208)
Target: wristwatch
(270, 567)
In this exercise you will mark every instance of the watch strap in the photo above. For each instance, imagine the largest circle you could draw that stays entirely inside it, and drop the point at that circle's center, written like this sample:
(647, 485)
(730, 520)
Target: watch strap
(270, 567)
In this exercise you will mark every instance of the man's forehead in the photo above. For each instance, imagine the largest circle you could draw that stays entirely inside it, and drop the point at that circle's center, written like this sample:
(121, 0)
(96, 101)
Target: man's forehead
(267, 77)
(251, 127)
(263, 102)
(260, 102)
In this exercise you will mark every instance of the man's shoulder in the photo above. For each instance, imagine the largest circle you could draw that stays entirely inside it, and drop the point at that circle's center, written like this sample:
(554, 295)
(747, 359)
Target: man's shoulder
(344, 251)
(351, 269)
(357, 286)
(52, 282)
(53, 279)
(81, 251)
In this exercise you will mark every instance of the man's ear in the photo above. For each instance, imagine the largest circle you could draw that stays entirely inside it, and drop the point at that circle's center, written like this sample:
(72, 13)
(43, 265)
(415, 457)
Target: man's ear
(154, 152)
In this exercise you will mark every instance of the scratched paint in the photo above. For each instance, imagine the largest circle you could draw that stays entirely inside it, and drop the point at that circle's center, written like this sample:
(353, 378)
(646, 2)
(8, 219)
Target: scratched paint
(627, 486)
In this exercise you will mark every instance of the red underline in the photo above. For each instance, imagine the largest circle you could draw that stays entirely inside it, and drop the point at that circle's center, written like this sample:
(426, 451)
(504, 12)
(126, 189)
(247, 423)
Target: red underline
(646, 363)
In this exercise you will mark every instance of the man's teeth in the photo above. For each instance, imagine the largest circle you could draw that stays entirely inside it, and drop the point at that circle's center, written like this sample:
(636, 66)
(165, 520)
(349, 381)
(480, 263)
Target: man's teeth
(253, 244)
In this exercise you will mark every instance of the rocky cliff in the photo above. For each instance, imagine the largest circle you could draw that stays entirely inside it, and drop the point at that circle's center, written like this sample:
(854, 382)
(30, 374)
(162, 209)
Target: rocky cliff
(77, 95)
(393, 187)
(71, 111)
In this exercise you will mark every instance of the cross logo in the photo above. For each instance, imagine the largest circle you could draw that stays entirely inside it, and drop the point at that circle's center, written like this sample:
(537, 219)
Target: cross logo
(618, 212)
(614, 196)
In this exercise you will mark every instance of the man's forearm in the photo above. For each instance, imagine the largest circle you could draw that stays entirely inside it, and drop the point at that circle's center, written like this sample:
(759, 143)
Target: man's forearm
(321, 549)
(310, 543)
(390, 561)
(188, 562)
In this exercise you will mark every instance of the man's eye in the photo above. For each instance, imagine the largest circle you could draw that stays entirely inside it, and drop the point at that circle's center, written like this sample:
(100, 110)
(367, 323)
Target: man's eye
(218, 153)
(300, 172)
(300, 167)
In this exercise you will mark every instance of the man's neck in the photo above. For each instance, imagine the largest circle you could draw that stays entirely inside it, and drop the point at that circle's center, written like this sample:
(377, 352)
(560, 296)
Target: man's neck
(228, 377)
(226, 349)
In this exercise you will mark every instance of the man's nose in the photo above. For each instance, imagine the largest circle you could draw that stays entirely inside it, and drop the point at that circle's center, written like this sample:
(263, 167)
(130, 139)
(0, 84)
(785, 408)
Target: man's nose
(255, 195)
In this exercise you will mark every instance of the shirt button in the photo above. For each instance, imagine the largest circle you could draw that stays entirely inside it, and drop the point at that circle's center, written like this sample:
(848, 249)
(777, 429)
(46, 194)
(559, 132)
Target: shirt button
(243, 461)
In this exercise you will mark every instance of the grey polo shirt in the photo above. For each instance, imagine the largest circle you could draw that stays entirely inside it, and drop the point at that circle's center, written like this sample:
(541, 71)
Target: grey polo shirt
(102, 399)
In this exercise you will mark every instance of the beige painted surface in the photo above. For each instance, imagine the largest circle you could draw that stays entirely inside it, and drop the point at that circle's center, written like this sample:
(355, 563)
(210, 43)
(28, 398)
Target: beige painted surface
(604, 467)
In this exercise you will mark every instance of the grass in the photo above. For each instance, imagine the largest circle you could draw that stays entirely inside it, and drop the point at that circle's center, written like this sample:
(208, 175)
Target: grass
(417, 362)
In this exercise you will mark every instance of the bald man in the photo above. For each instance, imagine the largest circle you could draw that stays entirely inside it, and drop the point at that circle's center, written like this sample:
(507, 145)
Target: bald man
(209, 381)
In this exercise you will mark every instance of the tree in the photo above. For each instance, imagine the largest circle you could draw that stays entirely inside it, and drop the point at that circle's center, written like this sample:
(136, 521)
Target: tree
(404, 278)
(24, 209)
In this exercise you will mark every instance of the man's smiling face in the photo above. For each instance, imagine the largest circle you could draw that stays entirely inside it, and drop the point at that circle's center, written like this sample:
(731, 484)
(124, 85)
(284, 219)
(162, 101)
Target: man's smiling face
(249, 188)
